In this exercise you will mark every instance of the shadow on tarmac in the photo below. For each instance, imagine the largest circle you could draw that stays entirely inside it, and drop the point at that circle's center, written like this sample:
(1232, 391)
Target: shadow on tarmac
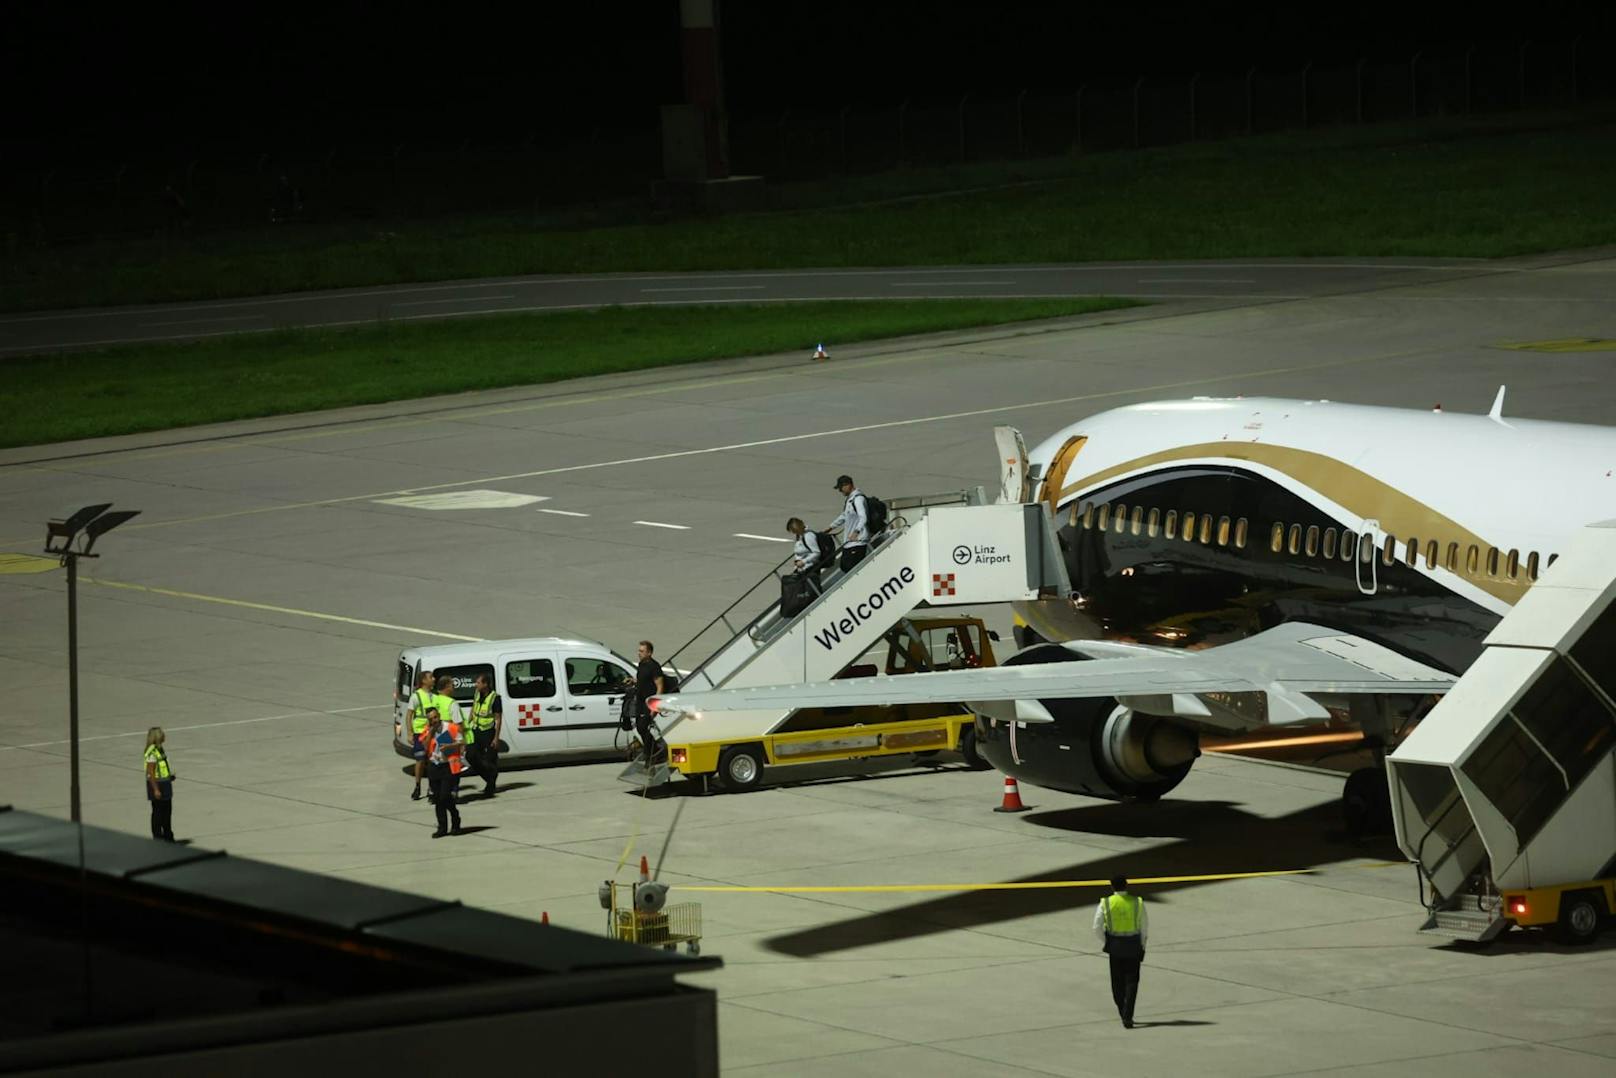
(1212, 837)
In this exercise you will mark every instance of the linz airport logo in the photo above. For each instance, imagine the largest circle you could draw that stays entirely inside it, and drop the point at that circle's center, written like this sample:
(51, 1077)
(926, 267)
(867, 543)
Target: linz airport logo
(858, 615)
(962, 555)
(979, 555)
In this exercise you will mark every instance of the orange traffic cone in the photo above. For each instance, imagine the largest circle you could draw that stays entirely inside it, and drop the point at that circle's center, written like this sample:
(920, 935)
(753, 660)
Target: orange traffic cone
(645, 869)
(544, 917)
(1012, 797)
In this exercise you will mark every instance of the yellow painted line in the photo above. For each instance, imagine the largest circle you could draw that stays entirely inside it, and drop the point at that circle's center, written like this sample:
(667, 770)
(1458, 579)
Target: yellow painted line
(26, 563)
(278, 609)
(1564, 344)
(1036, 885)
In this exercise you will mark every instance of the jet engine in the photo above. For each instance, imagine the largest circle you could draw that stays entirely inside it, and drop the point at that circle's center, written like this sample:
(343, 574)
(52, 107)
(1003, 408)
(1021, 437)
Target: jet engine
(1095, 746)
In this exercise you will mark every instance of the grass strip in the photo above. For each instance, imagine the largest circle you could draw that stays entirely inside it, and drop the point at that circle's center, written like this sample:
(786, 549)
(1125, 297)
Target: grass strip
(131, 388)
(1437, 188)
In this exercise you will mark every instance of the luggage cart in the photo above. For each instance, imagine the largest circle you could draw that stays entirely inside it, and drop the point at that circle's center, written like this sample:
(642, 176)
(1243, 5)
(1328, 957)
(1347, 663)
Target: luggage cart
(666, 928)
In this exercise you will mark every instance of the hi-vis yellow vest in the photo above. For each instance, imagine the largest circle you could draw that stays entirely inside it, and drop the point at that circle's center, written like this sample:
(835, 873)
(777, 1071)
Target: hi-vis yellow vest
(1122, 915)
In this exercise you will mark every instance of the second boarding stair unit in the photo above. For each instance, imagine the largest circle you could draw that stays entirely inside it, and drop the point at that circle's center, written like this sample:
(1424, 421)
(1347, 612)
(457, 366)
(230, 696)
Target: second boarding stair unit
(1509, 783)
(940, 550)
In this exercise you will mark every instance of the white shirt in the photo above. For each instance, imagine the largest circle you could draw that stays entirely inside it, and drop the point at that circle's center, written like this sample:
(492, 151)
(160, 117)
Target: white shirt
(807, 553)
(854, 523)
(1099, 919)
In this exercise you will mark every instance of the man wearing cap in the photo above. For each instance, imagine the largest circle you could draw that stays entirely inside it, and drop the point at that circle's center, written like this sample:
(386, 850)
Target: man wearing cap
(1120, 923)
(854, 522)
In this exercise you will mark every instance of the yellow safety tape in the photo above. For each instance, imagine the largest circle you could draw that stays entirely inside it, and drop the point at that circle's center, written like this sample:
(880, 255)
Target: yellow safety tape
(1035, 885)
(27, 563)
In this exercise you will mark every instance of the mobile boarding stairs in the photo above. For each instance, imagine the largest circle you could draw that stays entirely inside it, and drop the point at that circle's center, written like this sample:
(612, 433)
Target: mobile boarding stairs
(1509, 784)
(937, 550)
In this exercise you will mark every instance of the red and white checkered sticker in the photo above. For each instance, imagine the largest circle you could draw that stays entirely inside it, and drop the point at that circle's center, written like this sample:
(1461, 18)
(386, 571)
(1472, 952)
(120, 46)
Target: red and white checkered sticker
(527, 716)
(942, 584)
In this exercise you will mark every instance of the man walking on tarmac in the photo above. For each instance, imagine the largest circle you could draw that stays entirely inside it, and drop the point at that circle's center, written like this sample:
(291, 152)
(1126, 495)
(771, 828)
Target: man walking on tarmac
(482, 734)
(647, 683)
(1120, 923)
(443, 771)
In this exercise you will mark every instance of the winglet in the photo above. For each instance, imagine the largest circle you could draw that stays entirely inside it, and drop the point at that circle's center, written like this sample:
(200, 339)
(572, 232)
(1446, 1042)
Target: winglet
(1498, 405)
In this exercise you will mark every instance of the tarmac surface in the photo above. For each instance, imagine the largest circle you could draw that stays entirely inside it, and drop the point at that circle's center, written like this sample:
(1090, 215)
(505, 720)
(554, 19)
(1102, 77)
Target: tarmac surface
(256, 607)
(1235, 281)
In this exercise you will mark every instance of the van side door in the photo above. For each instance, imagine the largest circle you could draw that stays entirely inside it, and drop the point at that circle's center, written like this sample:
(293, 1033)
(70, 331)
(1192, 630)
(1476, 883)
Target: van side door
(535, 707)
(595, 687)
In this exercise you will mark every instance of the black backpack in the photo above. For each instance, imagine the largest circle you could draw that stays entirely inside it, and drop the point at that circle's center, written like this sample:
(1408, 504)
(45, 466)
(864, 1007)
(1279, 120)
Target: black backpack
(875, 515)
(826, 542)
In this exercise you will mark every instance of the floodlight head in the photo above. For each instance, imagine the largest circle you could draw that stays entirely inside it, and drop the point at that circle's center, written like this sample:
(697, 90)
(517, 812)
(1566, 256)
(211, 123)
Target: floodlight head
(105, 523)
(67, 530)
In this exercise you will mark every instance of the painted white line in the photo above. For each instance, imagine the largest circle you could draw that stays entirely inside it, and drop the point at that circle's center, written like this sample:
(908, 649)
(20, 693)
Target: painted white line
(207, 321)
(276, 609)
(200, 726)
(764, 538)
(453, 299)
(659, 524)
(563, 513)
(710, 288)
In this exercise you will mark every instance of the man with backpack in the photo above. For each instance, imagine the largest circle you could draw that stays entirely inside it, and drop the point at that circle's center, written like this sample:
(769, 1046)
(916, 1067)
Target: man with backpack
(862, 519)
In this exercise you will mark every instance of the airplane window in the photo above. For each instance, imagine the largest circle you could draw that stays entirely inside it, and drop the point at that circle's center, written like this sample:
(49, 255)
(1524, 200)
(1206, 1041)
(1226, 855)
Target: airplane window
(1531, 566)
(1411, 553)
(1313, 540)
(1088, 514)
(1153, 525)
(1189, 527)
(1453, 557)
(1170, 529)
(1366, 551)
(1138, 519)
(1492, 562)
(1240, 533)
(1472, 559)
(1329, 542)
(1122, 519)
(1433, 552)
(1388, 552)
(1276, 538)
(1349, 542)
(1206, 528)
(1071, 515)
(1514, 566)
(1295, 543)
(1223, 531)
(1552, 559)
(1104, 519)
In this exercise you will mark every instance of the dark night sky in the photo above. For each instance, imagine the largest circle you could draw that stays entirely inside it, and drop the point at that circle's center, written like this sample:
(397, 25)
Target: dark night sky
(189, 76)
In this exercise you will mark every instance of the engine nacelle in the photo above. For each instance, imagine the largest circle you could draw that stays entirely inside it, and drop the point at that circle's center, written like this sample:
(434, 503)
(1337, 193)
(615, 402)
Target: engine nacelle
(1094, 746)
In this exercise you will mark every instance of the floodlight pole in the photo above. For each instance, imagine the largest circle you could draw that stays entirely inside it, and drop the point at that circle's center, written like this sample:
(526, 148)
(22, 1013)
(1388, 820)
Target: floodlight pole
(72, 560)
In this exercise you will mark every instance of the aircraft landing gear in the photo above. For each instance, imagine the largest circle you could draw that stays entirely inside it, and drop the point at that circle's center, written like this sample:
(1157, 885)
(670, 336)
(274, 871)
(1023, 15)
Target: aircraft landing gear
(1366, 803)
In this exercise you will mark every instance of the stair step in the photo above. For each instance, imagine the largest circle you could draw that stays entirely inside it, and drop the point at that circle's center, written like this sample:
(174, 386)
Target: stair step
(1465, 924)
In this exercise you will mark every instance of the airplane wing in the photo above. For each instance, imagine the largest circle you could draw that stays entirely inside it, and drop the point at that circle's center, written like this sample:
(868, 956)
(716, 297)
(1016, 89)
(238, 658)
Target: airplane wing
(1267, 679)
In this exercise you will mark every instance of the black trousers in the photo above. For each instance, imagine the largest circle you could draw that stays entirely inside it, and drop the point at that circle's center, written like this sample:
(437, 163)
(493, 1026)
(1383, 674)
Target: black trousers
(162, 811)
(483, 759)
(852, 555)
(443, 784)
(1125, 984)
(648, 740)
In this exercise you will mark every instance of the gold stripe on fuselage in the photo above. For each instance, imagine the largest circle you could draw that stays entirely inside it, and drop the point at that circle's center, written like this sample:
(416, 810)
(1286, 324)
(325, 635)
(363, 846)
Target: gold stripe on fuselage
(1358, 492)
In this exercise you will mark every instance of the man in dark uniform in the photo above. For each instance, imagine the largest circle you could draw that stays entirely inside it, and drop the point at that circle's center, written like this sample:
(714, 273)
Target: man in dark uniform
(647, 683)
(1120, 923)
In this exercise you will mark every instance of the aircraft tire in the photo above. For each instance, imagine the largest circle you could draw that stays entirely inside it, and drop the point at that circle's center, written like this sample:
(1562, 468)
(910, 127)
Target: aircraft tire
(1366, 803)
(968, 750)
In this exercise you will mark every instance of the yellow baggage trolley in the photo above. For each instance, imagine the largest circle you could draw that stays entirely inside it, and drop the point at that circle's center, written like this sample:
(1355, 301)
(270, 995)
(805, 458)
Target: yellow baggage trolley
(666, 928)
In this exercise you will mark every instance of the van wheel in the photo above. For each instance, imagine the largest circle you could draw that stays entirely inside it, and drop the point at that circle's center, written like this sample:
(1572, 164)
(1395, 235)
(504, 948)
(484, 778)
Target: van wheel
(1580, 914)
(740, 768)
(967, 749)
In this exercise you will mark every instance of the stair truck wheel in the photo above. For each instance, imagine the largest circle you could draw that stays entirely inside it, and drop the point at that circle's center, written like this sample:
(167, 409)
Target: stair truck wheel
(740, 768)
(1580, 914)
(967, 749)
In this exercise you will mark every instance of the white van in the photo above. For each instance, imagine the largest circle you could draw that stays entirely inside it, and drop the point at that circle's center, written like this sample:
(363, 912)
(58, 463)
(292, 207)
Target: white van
(561, 696)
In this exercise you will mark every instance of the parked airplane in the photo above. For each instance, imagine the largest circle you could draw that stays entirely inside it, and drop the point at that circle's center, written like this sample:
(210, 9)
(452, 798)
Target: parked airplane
(1248, 563)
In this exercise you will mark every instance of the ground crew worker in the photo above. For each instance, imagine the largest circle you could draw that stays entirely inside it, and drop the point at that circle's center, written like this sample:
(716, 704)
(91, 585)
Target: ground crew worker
(647, 683)
(420, 703)
(159, 786)
(443, 699)
(482, 737)
(443, 771)
(854, 522)
(1120, 923)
